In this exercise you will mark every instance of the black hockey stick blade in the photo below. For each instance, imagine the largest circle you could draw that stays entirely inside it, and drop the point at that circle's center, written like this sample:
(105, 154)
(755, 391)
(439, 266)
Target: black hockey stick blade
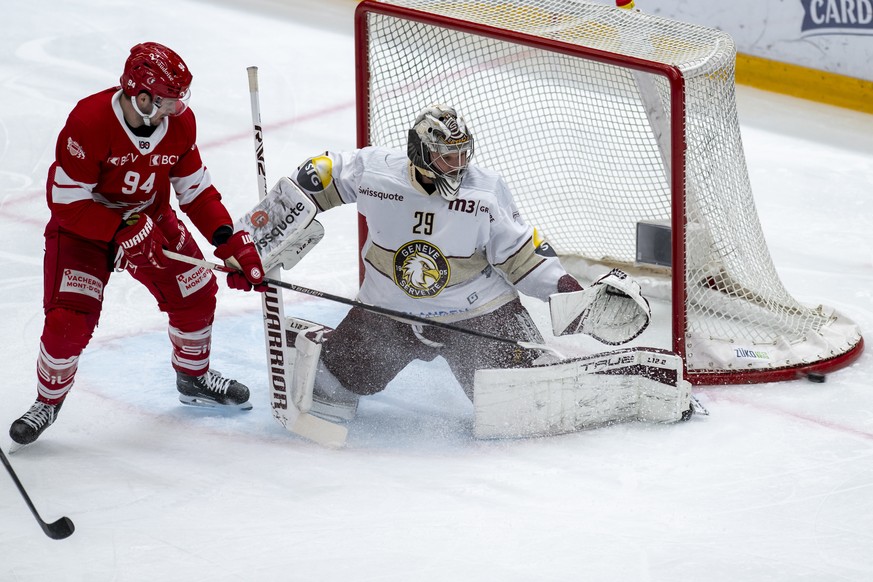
(57, 530)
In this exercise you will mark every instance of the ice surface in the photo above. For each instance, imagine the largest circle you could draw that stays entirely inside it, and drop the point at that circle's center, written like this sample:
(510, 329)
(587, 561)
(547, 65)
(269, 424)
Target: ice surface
(776, 484)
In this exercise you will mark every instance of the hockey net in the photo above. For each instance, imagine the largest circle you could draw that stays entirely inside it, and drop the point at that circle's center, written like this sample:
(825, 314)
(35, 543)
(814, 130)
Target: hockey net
(617, 132)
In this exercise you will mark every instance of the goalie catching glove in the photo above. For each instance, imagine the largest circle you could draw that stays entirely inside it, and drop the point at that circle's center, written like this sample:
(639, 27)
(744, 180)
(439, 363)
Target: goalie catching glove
(612, 310)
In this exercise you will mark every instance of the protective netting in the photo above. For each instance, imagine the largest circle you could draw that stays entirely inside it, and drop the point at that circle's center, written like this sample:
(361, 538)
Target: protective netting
(583, 140)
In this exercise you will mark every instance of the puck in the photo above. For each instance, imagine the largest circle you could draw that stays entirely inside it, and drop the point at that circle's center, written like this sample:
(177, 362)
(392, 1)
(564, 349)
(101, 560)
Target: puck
(816, 377)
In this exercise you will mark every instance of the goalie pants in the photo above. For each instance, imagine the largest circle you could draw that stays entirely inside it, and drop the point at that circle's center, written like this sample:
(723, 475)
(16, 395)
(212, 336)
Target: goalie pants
(76, 272)
(367, 350)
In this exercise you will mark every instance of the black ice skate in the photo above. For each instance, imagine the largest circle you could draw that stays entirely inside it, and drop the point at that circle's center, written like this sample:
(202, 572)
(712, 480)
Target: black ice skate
(212, 390)
(33, 423)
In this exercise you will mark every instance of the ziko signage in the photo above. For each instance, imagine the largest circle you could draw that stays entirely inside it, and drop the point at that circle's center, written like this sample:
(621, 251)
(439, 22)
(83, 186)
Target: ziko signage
(837, 17)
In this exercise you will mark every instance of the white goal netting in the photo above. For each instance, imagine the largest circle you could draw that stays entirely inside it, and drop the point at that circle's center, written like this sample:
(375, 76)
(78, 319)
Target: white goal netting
(605, 121)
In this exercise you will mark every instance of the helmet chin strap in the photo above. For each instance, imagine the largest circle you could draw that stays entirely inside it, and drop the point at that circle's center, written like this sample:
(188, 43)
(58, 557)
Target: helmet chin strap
(146, 119)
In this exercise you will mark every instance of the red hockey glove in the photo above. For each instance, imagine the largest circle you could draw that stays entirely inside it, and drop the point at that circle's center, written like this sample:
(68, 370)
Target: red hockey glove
(142, 242)
(240, 253)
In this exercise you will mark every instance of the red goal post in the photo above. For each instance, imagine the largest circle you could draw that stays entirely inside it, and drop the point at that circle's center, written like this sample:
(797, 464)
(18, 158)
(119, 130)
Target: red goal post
(618, 134)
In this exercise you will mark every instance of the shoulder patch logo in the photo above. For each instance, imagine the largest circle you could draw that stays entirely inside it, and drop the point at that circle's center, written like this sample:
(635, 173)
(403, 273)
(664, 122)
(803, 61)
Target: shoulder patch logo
(75, 149)
(421, 269)
(316, 174)
(542, 246)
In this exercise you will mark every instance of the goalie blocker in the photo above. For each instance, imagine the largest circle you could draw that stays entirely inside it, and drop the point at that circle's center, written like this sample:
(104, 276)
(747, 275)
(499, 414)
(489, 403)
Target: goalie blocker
(631, 384)
(282, 225)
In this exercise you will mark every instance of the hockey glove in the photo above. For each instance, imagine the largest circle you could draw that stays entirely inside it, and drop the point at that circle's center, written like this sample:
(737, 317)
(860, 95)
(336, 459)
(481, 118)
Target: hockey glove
(240, 253)
(612, 311)
(142, 242)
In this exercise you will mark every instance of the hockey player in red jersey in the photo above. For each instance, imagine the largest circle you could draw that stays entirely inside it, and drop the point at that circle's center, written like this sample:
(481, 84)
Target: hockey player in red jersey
(109, 193)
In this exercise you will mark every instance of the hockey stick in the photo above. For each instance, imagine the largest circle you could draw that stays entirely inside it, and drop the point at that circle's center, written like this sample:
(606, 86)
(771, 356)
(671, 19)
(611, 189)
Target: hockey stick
(58, 530)
(279, 361)
(368, 307)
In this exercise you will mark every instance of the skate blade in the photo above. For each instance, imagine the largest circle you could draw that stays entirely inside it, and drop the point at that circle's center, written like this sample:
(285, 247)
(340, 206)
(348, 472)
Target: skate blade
(206, 403)
(698, 407)
(15, 447)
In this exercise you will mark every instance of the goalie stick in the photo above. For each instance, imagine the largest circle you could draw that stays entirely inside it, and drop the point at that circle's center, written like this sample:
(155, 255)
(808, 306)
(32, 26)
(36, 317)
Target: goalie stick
(280, 360)
(372, 308)
(57, 530)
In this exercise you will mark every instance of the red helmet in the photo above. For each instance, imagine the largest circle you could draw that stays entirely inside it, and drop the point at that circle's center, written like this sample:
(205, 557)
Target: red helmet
(157, 70)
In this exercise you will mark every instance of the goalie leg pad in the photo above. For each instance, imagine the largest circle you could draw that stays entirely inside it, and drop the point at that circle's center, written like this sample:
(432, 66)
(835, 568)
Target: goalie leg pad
(639, 383)
(664, 402)
(289, 395)
(313, 388)
(330, 399)
(303, 339)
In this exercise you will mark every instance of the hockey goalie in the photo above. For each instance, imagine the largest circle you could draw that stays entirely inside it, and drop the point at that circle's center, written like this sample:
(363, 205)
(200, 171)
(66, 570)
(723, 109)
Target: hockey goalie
(446, 242)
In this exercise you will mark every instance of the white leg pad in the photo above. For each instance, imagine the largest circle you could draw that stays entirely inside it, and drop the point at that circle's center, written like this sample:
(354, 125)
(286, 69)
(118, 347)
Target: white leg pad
(304, 339)
(330, 399)
(319, 430)
(638, 383)
(297, 368)
(663, 402)
(313, 388)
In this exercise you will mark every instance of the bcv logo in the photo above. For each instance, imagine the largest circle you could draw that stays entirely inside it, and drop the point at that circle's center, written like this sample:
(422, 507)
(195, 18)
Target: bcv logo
(837, 17)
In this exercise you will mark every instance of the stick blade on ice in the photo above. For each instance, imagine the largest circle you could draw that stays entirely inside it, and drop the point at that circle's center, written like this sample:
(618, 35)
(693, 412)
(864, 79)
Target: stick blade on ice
(60, 529)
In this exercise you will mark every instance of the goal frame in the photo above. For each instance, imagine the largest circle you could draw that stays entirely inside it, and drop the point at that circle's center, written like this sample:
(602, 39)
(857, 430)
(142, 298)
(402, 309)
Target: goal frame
(676, 82)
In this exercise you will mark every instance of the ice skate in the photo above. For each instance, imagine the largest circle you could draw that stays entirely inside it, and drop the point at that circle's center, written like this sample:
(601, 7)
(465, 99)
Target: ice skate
(33, 423)
(212, 390)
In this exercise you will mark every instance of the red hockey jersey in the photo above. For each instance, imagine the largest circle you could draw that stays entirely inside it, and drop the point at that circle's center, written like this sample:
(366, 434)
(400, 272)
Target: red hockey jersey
(103, 173)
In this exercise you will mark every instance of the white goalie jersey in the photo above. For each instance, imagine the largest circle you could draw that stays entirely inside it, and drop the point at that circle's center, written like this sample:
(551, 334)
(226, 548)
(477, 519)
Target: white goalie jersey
(424, 255)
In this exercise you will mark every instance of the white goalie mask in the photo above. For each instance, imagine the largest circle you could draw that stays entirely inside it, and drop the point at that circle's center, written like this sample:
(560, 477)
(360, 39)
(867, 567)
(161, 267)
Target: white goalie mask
(440, 146)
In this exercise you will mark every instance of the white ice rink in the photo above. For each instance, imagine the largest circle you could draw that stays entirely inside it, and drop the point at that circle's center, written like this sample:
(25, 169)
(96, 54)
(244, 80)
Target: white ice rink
(776, 484)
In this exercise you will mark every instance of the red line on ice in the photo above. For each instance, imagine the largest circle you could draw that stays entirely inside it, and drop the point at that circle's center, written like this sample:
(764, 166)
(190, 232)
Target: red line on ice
(716, 395)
